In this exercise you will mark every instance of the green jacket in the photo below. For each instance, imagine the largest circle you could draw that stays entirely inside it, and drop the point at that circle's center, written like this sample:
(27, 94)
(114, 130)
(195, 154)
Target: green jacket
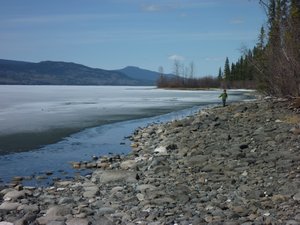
(223, 96)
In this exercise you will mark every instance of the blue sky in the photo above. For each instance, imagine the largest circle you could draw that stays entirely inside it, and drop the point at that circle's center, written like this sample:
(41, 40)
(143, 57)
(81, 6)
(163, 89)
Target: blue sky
(112, 34)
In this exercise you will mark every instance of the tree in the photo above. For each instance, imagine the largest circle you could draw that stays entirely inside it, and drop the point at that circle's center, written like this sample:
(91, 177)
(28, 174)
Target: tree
(227, 70)
(176, 67)
(220, 75)
(261, 39)
(192, 70)
(162, 79)
(293, 42)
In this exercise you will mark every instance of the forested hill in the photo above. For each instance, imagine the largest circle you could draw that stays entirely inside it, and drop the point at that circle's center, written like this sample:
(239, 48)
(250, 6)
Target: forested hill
(62, 73)
(143, 74)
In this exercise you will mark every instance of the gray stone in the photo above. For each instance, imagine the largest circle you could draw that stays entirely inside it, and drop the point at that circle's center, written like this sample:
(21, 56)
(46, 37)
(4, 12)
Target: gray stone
(105, 210)
(14, 195)
(145, 187)
(103, 220)
(128, 164)
(91, 191)
(292, 222)
(55, 213)
(115, 176)
(77, 221)
(163, 200)
(65, 200)
(58, 211)
(56, 223)
(9, 206)
(296, 197)
(28, 208)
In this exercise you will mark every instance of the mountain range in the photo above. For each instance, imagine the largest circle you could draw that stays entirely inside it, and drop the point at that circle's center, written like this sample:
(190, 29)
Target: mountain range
(68, 73)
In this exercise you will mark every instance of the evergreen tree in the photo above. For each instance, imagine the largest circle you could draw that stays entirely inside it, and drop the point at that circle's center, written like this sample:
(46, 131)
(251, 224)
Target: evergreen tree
(227, 70)
(294, 42)
(220, 75)
(261, 39)
(233, 74)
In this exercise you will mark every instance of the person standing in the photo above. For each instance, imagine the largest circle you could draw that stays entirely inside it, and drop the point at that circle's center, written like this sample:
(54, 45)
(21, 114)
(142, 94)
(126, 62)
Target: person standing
(224, 97)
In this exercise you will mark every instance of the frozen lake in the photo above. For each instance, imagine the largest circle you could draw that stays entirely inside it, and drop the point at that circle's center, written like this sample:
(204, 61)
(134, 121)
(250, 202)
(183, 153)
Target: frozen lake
(44, 127)
(32, 116)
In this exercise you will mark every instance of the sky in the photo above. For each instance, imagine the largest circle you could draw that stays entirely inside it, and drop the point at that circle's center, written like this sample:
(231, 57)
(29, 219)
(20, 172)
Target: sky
(113, 34)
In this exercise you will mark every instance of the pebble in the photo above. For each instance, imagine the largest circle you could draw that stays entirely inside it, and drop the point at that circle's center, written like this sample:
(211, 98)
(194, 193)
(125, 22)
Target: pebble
(296, 197)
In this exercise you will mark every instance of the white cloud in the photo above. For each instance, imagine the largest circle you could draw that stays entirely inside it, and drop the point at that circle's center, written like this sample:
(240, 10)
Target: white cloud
(151, 8)
(176, 57)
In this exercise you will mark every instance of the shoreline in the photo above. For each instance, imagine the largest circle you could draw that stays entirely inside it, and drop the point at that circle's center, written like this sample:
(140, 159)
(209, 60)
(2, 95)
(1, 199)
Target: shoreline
(232, 165)
(107, 139)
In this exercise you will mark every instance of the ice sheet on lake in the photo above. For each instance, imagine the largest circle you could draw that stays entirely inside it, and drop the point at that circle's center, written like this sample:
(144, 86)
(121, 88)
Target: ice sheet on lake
(40, 108)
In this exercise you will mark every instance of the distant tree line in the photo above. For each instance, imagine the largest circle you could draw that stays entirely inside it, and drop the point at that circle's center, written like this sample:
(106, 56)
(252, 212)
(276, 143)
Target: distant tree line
(273, 65)
(184, 78)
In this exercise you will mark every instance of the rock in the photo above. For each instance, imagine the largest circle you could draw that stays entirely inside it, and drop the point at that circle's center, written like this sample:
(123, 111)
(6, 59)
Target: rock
(278, 198)
(28, 208)
(105, 210)
(128, 164)
(76, 165)
(240, 210)
(103, 220)
(65, 200)
(292, 222)
(55, 213)
(163, 200)
(9, 206)
(77, 221)
(134, 145)
(56, 223)
(28, 218)
(140, 197)
(13, 195)
(41, 177)
(145, 187)
(64, 183)
(49, 173)
(161, 151)
(17, 178)
(244, 146)
(245, 174)
(115, 176)
(80, 215)
(116, 189)
(90, 191)
(296, 197)
(172, 147)
(91, 165)
(295, 130)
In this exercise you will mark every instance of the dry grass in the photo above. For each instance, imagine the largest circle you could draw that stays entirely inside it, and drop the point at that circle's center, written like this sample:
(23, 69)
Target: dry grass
(296, 103)
(292, 119)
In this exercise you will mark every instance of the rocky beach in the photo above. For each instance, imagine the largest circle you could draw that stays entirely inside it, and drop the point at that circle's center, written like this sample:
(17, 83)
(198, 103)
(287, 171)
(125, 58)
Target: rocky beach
(234, 165)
